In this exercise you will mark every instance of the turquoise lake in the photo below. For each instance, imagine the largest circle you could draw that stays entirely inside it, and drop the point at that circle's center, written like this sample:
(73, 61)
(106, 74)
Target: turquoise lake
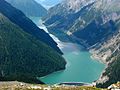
(80, 66)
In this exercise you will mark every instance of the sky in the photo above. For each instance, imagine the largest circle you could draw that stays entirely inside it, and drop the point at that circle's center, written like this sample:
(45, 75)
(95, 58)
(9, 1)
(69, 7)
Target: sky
(48, 3)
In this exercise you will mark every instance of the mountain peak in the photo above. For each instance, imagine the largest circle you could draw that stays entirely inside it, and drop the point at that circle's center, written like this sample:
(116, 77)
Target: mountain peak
(76, 5)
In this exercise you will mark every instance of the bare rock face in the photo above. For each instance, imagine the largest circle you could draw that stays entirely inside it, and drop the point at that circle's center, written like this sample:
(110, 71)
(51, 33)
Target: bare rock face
(108, 51)
(68, 7)
(72, 16)
(75, 5)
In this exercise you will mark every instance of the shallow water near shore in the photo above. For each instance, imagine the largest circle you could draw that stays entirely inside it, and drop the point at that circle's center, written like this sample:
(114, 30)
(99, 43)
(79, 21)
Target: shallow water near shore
(80, 66)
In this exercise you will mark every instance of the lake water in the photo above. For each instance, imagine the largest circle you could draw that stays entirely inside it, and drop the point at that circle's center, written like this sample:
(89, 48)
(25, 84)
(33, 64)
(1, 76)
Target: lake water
(80, 66)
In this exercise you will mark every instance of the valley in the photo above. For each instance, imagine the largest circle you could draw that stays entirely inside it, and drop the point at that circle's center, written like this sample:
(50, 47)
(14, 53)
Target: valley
(80, 66)
(95, 25)
(73, 42)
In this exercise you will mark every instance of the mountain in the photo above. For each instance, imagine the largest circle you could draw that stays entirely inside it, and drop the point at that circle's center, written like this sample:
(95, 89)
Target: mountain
(29, 7)
(109, 52)
(70, 6)
(71, 19)
(23, 56)
(64, 15)
(26, 24)
(99, 22)
(48, 3)
(95, 25)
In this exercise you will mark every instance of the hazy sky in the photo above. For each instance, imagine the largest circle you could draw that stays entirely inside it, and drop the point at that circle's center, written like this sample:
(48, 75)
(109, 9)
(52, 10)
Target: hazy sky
(48, 3)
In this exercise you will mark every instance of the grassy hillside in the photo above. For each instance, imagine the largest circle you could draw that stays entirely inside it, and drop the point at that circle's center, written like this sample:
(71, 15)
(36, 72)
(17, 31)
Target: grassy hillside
(24, 86)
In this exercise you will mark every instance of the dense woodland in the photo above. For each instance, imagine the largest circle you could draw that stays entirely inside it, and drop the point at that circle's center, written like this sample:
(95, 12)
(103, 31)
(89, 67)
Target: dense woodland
(24, 57)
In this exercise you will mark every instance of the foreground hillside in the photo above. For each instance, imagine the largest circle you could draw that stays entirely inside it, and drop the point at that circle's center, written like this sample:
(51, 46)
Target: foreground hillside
(24, 86)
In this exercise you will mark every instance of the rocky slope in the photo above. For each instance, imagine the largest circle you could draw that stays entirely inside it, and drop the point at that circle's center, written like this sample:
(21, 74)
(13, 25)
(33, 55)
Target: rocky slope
(95, 25)
(64, 15)
(23, 56)
(68, 21)
(108, 51)
(98, 23)
(29, 7)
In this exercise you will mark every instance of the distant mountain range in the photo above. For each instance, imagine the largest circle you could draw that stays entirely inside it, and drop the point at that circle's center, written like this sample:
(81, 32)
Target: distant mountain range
(26, 52)
(29, 7)
(94, 24)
